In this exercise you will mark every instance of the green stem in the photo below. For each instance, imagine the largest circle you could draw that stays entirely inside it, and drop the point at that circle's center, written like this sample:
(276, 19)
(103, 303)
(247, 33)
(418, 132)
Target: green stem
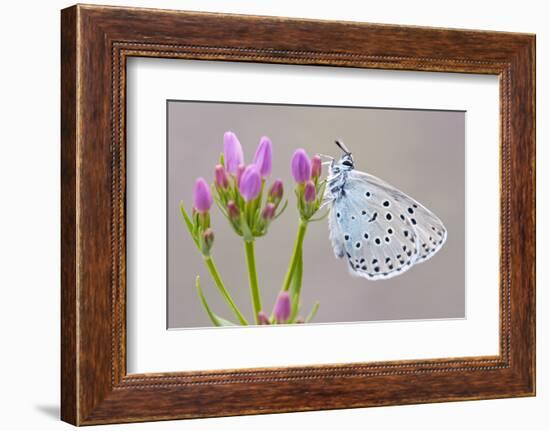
(253, 278)
(312, 313)
(221, 287)
(212, 268)
(296, 253)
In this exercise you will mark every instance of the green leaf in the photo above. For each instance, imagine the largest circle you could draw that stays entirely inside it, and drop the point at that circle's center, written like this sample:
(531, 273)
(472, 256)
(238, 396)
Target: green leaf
(313, 312)
(225, 322)
(189, 224)
(220, 206)
(281, 210)
(320, 217)
(216, 320)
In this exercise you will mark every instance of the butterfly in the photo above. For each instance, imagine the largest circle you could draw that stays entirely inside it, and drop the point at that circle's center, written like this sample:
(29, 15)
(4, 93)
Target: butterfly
(380, 230)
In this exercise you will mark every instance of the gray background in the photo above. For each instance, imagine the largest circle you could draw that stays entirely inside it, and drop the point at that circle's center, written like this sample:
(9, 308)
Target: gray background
(420, 152)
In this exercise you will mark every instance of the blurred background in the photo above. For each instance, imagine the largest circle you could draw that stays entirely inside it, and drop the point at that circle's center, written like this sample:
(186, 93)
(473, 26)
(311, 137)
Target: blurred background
(421, 152)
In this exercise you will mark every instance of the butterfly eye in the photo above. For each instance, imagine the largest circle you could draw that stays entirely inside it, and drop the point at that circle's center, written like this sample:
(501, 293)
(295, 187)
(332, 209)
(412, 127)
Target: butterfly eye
(347, 163)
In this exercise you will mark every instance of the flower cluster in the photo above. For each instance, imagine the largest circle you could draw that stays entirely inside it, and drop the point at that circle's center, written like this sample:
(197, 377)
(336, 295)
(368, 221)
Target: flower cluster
(309, 189)
(309, 193)
(239, 188)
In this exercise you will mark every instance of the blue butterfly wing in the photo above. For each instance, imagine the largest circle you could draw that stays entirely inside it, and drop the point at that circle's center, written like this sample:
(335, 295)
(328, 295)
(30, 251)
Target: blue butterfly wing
(381, 231)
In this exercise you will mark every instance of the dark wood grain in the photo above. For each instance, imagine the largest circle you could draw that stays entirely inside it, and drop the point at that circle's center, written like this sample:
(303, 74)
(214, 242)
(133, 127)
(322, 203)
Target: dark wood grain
(96, 41)
(69, 400)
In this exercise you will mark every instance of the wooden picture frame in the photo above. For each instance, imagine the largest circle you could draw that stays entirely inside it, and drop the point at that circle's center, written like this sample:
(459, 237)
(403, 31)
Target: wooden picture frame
(95, 43)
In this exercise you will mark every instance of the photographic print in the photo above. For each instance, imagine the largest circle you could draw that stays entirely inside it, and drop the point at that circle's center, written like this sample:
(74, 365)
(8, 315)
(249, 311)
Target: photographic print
(249, 213)
(299, 214)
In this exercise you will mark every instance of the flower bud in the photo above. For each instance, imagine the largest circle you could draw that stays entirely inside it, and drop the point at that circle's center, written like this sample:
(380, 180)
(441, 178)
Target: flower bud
(250, 183)
(233, 152)
(262, 318)
(316, 166)
(239, 174)
(282, 307)
(275, 193)
(269, 211)
(263, 157)
(207, 241)
(301, 166)
(202, 196)
(233, 211)
(309, 192)
(222, 181)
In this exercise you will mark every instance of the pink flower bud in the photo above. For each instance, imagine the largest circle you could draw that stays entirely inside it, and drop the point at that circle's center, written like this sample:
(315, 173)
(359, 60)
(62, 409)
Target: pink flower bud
(262, 318)
(250, 183)
(222, 181)
(316, 166)
(233, 210)
(233, 152)
(309, 192)
(239, 174)
(269, 211)
(301, 166)
(207, 240)
(282, 307)
(263, 157)
(202, 196)
(275, 193)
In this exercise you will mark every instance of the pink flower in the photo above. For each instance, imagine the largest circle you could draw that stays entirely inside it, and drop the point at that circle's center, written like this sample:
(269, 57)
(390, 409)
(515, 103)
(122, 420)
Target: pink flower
(233, 152)
(269, 211)
(316, 166)
(233, 211)
(310, 192)
(282, 307)
(202, 196)
(222, 181)
(250, 183)
(263, 157)
(262, 318)
(239, 174)
(275, 193)
(301, 166)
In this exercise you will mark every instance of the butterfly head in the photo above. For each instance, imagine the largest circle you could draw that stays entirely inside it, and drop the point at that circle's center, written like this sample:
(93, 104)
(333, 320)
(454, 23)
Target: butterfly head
(346, 160)
(338, 172)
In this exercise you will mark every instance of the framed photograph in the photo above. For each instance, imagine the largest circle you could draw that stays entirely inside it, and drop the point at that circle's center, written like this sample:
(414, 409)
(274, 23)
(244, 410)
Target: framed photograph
(330, 214)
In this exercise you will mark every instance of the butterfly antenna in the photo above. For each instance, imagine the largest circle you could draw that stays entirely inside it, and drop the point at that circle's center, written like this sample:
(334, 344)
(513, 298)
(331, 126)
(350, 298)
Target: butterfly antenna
(341, 145)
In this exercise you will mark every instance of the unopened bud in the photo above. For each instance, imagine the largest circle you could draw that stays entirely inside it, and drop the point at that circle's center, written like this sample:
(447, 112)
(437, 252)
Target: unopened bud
(282, 307)
(316, 166)
(202, 196)
(269, 211)
(239, 174)
(275, 193)
(222, 180)
(309, 192)
(232, 210)
(207, 241)
(263, 319)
